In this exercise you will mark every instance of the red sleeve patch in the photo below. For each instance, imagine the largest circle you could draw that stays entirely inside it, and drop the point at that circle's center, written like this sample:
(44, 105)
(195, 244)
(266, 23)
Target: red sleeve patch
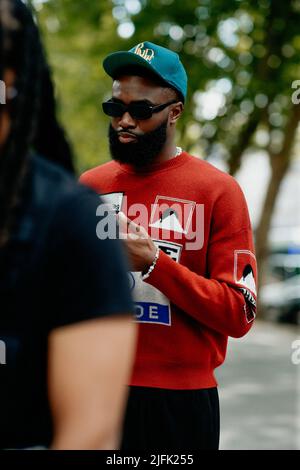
(245, 275)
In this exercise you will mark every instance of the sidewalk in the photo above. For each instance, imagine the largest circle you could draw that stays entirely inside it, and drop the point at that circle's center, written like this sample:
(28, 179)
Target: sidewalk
(259, 390)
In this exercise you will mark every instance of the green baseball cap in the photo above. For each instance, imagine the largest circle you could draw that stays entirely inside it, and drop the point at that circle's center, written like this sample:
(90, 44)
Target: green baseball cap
(157, 59)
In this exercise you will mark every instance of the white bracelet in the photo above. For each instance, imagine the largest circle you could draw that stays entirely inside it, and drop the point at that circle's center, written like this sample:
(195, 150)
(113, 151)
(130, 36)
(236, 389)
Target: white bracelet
(147, 274)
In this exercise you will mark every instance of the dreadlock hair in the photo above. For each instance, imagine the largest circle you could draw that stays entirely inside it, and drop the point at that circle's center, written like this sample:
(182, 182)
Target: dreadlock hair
(32, 111)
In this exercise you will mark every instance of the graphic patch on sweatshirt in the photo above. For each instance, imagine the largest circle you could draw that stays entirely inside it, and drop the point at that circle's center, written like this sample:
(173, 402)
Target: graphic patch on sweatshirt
(113, 200)
(151, 305)
(172, 214)
(244, 277)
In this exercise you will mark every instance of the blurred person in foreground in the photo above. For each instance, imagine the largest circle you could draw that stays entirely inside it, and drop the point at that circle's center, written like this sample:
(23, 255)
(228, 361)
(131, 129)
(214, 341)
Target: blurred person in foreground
(65, 307)
(188, 234)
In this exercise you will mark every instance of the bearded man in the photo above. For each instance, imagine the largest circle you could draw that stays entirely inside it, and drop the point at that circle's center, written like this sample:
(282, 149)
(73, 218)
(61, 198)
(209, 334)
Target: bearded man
(188, 249)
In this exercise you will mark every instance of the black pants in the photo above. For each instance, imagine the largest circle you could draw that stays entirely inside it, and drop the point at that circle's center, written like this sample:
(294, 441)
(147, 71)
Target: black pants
(159, 419)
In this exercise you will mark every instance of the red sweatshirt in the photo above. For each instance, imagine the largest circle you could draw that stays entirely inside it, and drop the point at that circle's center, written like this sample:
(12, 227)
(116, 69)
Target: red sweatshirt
(202, 289)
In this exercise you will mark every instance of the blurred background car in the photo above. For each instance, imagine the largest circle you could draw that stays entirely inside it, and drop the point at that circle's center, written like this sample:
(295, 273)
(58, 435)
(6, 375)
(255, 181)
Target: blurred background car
(280, 297)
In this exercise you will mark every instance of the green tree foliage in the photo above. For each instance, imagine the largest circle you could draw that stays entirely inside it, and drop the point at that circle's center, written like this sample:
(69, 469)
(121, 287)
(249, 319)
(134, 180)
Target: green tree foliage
(78, 34)
(245, 52)
(243, 55)
(241, 58)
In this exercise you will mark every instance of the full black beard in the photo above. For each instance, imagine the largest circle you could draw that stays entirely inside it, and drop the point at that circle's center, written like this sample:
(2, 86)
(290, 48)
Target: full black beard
(142, 153)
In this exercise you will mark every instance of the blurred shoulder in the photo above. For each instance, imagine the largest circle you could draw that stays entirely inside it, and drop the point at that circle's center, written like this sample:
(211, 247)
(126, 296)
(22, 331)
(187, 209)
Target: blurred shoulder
(53, 187)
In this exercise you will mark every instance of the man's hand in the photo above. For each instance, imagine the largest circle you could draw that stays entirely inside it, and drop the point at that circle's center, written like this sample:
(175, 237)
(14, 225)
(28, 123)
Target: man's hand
(140, 247)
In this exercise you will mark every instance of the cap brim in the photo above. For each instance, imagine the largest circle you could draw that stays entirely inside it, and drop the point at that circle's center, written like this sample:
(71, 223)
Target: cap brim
(117, 60)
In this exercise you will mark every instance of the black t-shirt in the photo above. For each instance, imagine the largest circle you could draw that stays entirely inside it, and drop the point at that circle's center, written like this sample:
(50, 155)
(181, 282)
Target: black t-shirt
(54, 272)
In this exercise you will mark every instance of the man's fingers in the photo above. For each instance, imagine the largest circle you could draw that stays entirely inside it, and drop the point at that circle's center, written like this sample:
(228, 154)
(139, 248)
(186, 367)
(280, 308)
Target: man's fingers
(122, 220)
(133, 236)
(142, 232)
(128, 226)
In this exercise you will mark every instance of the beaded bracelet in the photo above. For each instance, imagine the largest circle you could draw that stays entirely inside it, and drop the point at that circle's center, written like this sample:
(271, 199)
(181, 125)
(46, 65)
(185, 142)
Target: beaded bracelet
(147, 274)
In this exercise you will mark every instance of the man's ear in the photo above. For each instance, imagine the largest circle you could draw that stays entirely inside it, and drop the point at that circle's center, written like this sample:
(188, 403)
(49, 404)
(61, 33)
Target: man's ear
(175, 112)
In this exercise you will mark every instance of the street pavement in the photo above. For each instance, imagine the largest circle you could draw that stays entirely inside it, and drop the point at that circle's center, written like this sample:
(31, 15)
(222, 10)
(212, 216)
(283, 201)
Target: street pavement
(259, 389)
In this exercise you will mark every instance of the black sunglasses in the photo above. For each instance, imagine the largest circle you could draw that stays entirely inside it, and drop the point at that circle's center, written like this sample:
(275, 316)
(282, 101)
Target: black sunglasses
(136, 110)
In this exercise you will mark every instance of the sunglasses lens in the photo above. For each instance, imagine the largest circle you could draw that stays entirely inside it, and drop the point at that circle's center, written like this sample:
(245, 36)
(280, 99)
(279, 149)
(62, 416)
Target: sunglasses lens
(136, 111)
(113, 109)
(140, 111)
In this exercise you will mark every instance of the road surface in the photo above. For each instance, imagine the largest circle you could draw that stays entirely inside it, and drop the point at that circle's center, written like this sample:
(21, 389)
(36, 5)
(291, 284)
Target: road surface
(259, 388)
